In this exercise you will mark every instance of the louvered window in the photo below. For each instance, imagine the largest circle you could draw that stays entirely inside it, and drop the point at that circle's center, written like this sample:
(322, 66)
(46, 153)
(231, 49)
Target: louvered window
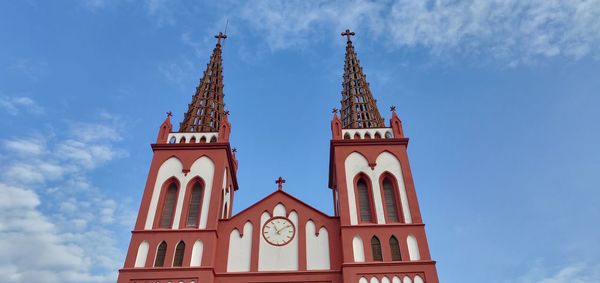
(194, 206)
(166, 218)
(160, 255)
(395, 249)
(364, 203)
(376, 249)
(178, 259)
(390, 200)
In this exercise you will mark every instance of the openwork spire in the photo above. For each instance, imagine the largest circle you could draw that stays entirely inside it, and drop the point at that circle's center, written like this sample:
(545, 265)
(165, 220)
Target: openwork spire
(359, 109)
(207, 107)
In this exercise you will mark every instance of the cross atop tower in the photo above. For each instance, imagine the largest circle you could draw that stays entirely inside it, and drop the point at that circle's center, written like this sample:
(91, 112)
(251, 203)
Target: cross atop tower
(280, 183)
(348, 34)
(219, 36)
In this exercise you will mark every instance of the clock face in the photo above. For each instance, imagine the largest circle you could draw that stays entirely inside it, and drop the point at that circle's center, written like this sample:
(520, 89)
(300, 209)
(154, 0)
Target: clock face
(279, 231)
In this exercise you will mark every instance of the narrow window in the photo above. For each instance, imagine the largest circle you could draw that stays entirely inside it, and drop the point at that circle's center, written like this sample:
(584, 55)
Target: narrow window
(364, 204)
(391, 206)
(194, 205)
(395, 248)
(160, 255)
(376, 249)
(178, 259)
(166, 218)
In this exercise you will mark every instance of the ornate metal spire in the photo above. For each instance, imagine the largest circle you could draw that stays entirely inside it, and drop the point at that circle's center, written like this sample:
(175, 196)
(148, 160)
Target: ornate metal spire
(359, 109)
(207, 108)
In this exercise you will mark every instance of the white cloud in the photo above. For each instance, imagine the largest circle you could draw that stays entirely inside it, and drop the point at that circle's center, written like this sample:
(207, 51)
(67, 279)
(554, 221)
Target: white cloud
(573, 273)
(512, 30)
(31, 69)
(25, 146)
(54, 223)
(17, 104)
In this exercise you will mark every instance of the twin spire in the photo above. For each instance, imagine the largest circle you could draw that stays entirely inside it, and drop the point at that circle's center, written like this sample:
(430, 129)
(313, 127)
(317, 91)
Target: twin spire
(207, 109)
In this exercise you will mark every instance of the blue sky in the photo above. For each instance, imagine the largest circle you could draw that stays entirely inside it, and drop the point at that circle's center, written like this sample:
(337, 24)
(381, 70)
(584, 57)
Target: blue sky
(499, 98)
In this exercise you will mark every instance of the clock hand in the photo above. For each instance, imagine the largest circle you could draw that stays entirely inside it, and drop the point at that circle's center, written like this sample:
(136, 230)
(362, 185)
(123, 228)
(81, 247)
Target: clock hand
(283, 228)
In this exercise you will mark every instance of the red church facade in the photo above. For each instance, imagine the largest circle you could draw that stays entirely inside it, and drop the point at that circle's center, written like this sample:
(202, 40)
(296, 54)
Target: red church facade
(185, 231)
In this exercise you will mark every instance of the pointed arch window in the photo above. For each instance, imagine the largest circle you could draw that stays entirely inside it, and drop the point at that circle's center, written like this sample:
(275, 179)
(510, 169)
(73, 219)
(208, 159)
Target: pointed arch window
(161, 251)
(194, 205)
(178, 258)
(364, 201)
(168, 209)
(390, 200)
(395, 249)
(376, 249)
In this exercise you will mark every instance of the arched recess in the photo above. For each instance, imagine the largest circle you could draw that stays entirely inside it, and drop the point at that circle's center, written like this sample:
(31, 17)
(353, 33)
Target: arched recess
(374, 280)
(364, 195)
(317, 247)
(418, 279)
(396, 279)
(354, 164)
(385, 280)
(376, 249)
(391, 198)
(279, 210)
(179, 253)
(240, 249)
(395, 249)
(407, 280)
(142, 254)
(358, 249)
(161, 252)
(363, 280)
(413, 248)
(168, 202)
(193, 202)
(197, 251)
(170, 168)
(387, 163)
(203, 168)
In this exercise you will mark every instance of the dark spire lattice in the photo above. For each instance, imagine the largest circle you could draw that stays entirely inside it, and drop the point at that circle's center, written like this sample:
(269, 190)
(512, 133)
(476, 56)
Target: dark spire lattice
(207, 107)
(359, 109)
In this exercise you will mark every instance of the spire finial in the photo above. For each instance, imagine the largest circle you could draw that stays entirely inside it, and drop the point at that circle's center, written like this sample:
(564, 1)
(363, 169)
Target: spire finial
(348, 34)
(393, 108)
(280, 181)
(335, 110)
(219, 36)
(169, 114)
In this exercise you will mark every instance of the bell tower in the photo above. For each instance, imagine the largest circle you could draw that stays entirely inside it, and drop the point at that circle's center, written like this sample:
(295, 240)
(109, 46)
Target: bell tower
(189, 189)
(382, 232)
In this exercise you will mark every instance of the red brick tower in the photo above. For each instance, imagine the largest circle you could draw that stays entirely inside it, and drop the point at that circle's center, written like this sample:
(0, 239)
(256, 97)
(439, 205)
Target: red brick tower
(189, 189)
(382, 233)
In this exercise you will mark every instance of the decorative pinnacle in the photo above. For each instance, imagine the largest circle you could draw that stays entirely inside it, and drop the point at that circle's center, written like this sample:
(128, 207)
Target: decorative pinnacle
(280, 183)
(393, 108)
(219, 36)
(227, 112)
(335, 110)
(234, 150)
(348, 34)
(169, 114)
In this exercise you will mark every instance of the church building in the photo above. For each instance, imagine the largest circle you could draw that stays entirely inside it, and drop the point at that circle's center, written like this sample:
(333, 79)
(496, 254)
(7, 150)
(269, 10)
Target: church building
(186, 233)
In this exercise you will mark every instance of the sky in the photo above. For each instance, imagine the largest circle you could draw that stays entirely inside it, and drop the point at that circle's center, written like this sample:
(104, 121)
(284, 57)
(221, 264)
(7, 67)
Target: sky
(500, 100)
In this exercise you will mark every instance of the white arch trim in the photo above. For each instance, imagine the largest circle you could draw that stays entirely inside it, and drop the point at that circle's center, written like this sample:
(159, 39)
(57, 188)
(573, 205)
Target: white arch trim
(142, 254)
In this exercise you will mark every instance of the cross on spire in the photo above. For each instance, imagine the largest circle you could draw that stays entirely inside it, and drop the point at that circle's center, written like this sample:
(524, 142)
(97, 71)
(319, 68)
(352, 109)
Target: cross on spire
(169, 114)
(393, 108)
(348, 34)
(219, 36)
(334, 110)
(280, 183)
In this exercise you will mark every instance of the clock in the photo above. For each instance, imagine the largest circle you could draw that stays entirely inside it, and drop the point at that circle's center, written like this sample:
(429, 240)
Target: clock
(279, 231)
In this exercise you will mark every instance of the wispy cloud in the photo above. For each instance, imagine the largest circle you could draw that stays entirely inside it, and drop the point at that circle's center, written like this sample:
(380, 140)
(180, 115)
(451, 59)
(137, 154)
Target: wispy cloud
(13, 105)
(511, 30)
(572, 273)
(31, 69)
(54, 223)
